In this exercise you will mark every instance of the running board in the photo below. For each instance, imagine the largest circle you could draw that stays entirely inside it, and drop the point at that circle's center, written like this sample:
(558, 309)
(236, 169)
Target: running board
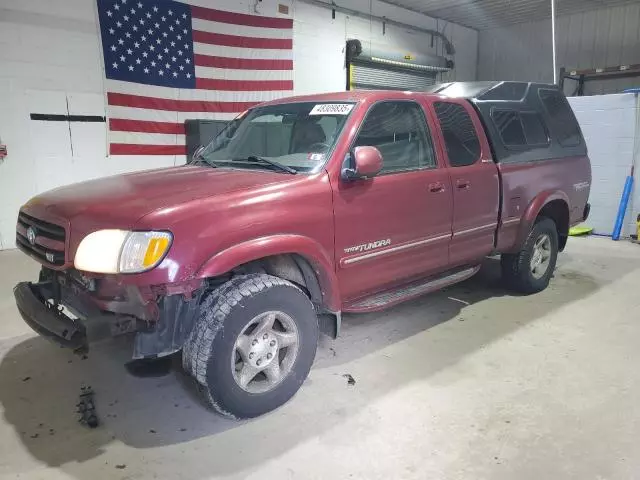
(382, 300)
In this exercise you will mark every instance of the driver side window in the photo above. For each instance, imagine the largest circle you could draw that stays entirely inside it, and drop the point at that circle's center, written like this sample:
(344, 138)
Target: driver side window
(399, 130)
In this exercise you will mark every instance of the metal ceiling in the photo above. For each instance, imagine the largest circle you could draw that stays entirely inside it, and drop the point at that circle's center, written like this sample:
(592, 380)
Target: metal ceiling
(485, 14)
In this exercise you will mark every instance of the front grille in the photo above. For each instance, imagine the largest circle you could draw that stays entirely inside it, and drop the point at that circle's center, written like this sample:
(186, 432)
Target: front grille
(48, 243)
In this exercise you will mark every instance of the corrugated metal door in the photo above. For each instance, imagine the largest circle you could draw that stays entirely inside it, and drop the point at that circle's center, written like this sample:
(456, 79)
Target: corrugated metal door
(369, 76)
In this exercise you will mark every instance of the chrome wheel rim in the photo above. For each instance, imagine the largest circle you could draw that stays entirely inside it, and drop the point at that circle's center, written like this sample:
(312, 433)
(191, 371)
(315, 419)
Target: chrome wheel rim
(265, 351)
(541, 256)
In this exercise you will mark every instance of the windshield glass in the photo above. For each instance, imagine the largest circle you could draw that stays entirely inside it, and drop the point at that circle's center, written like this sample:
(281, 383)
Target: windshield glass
(296, 135)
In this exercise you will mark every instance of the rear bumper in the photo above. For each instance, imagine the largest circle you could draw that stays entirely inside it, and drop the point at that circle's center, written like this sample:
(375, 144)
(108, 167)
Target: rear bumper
(52, 323)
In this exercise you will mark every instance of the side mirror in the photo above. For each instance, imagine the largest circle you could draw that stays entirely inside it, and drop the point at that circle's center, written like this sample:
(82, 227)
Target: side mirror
(366, 162)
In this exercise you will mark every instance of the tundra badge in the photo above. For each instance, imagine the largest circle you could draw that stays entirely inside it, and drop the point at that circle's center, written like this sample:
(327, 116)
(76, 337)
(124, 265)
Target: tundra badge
(368, 246)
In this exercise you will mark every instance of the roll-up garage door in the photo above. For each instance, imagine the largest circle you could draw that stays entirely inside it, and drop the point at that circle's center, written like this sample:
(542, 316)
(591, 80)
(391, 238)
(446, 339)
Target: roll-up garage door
(371, 76)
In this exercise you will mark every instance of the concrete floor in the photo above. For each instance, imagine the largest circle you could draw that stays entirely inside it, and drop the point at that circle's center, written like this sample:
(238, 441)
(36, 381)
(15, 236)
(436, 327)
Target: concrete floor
(469, 383)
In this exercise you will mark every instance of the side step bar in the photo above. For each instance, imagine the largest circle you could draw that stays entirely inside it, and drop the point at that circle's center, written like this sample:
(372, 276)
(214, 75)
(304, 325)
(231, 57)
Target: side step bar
(382, 300)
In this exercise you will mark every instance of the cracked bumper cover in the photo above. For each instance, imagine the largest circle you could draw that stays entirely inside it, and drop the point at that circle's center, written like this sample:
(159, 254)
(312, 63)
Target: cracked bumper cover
(53, 324)
(95, 319)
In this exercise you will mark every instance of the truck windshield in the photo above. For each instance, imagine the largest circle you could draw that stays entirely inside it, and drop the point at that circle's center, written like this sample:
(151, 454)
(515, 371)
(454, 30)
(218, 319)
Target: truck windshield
(295, 135)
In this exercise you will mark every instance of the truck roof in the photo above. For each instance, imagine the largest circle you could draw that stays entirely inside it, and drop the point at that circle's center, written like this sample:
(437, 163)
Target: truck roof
(350, 96)
(490, 90)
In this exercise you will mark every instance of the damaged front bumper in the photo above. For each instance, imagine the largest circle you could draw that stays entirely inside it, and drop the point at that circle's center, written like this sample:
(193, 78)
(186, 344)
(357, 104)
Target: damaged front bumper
(51, 320)
(73, 312)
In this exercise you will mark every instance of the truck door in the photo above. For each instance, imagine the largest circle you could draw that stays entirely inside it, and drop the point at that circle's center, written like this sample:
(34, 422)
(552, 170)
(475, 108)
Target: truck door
(474, 179)
(396, 225)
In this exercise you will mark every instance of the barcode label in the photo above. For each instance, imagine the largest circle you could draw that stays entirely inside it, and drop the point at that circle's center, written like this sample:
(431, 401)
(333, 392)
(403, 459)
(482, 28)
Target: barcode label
(331, 109)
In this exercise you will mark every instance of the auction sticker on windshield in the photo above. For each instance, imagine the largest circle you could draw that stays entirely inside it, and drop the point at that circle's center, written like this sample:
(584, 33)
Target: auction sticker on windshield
(331, 109)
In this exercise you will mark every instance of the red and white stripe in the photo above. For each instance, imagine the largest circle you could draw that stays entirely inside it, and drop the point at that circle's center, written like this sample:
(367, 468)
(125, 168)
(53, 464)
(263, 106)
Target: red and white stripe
(240, 60)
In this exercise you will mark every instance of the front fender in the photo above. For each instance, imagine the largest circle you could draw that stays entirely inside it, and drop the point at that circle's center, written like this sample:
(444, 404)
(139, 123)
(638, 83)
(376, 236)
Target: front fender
(534, 208)
(321, 261)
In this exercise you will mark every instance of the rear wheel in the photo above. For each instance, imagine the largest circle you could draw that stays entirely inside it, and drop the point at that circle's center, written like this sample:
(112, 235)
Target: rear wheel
(530, 270)
(253, 345)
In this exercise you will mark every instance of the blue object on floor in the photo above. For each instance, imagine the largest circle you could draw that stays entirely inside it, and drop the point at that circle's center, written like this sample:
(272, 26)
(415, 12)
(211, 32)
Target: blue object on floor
(624, 201)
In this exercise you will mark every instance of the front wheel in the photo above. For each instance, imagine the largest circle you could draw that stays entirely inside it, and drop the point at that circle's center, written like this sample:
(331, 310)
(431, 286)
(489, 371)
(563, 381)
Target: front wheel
(530, 270)
(253, 345)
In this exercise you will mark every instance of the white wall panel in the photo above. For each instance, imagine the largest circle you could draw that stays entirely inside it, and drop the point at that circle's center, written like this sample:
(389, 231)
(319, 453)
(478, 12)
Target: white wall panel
(85, 103)
(50, 141)
(608, 123)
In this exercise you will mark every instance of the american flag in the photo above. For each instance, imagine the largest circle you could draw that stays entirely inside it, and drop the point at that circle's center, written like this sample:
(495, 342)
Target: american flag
(167, 61)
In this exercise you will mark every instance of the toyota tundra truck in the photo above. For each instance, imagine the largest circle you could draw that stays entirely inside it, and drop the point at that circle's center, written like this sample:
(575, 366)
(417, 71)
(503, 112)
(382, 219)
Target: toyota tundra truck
(302, 209)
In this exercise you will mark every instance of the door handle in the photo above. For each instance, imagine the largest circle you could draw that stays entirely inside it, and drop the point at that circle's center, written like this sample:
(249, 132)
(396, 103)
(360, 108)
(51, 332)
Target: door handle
(463, 184)
(436, 187)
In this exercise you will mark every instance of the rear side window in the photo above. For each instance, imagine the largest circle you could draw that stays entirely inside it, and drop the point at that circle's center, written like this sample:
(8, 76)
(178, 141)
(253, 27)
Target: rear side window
(534, 129)
(460, 138)
(519, 129)
(509, 127)
(562, 122)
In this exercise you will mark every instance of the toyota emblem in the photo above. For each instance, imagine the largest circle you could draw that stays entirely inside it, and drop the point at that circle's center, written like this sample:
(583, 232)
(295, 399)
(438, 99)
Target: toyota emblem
(31, 235)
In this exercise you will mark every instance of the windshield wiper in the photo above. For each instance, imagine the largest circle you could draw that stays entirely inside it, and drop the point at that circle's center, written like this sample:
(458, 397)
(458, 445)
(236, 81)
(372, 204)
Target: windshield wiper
(199, 158)
(268, 161)
(203, 161)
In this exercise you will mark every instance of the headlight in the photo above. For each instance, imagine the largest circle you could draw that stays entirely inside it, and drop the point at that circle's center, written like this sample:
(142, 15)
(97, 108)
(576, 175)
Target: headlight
(119, 251)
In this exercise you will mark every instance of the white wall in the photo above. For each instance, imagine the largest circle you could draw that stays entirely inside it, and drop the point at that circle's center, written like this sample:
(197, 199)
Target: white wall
(50, 62)
(608, 123)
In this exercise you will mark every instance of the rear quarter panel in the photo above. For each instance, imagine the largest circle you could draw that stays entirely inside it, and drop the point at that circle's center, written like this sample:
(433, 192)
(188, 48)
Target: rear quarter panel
(527, 187)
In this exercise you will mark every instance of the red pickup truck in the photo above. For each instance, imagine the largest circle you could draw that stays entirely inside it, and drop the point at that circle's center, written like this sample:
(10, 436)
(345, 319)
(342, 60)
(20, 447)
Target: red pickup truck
(299, 210)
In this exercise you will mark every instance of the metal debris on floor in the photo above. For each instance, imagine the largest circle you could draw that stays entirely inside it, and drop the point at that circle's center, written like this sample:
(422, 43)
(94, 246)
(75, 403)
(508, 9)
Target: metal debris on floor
(87, 408)
(350, 380)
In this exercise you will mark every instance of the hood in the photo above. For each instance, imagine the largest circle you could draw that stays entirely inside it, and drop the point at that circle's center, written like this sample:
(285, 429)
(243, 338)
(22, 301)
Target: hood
(126, 198)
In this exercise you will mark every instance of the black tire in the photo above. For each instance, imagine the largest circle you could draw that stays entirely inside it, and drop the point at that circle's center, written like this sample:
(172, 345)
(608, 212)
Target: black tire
(516, 268)
(223, 314)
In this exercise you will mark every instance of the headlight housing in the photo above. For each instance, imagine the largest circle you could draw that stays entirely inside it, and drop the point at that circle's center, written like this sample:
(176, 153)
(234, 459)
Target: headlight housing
(121, 251)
